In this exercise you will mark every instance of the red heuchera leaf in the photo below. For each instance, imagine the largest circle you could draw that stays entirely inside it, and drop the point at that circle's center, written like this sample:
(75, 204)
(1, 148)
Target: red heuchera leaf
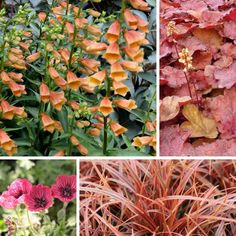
(192, 43)
(223, 109)
(231, 15)
(172, 140)
(209, 19)
(193, 5)
(224, 61)
(226, 77)
(201, 59)
(214, 4)
(229, 30)
(174, 77)
(220, 147)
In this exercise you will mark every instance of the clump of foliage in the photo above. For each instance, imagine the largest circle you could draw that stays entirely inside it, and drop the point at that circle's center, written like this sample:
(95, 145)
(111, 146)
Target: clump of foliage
(32, 203)
(158, 197)
(77, 79)
(197, 78)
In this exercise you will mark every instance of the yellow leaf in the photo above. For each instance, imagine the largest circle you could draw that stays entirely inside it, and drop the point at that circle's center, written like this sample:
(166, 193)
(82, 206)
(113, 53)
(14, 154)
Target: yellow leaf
(209, 36)
(200, 125)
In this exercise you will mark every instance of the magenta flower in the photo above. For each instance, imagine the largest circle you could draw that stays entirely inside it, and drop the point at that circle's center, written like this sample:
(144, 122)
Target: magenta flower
(65, 188)
(39, 198)
(8, 201)
(19, 188)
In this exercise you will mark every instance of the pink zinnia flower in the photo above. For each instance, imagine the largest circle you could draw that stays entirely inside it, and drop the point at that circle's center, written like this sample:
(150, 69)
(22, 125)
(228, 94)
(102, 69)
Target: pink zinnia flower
(65, 188)
(39, 198)
(8, 201)
(19, 188)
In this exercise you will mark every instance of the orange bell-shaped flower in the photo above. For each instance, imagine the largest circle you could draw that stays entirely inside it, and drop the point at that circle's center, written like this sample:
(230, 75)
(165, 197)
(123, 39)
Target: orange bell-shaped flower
(117, 128)
(131, 66)
(97, 78)
(140, 5)
(33, 57)
(135, 55)
(7, 144)
(17, 89)
(44, 93)
(106, 106)
(117, 72)
(120, 88)
(130, 19)
(113, 32)
(73, 81)
(5, 77)
(125, 104)
(142, 24)
(82, 149)
(112, 54)
(16, 76)
(57, 99)
(141, 141)
(48, 123)
(135, 39)
(7, 110)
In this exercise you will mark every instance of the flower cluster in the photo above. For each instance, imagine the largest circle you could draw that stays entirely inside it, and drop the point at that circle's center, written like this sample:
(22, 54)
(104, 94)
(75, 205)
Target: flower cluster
(82, 76)
(38, 197)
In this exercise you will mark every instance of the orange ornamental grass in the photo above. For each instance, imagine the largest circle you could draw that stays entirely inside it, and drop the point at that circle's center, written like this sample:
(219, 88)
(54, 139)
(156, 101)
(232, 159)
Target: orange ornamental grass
(125, 104)
(117, 72)
(106, 106)
(113, 33)
(112, 54)
(97, 78)
(151, 197)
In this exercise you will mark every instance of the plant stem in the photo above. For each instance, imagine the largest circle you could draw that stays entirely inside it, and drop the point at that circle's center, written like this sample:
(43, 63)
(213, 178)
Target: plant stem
(33, 231)
(148, 114)
(123, 6)
(70, 128)
(105, 136)
(20, 221)
(64, 21)
(108, 91)
(64, 218)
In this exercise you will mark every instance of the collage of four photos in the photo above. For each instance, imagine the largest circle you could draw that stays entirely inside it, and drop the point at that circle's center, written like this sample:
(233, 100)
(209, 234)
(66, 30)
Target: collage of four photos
(117, 118)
